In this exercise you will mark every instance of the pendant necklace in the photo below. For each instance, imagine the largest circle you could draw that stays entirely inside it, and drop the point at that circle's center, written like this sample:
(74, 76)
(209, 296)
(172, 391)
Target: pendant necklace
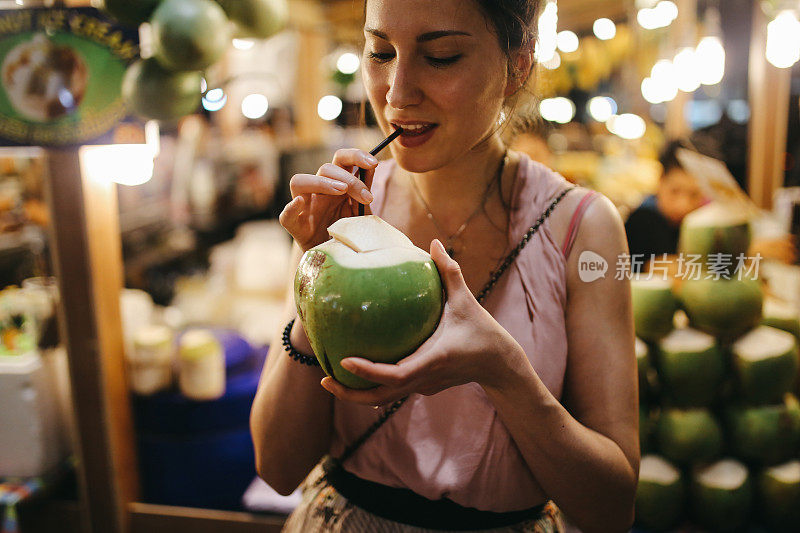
(451, 239)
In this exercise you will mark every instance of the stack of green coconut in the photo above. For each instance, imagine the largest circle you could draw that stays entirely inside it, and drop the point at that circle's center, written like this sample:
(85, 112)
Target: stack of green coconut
(188, 37)
(719, 421)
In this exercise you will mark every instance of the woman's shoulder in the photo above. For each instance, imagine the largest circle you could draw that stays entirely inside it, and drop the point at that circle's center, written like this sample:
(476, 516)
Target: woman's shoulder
(579, 209)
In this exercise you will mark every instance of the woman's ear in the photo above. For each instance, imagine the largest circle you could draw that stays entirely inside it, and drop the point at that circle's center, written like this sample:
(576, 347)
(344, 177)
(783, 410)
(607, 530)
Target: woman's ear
(521, 70)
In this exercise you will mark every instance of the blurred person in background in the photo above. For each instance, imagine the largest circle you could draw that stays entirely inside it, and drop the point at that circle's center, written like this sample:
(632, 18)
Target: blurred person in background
(520, 406)
(653, 228)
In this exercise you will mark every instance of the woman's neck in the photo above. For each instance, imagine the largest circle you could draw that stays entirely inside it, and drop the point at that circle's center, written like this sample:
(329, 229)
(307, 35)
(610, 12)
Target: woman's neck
(456, 190)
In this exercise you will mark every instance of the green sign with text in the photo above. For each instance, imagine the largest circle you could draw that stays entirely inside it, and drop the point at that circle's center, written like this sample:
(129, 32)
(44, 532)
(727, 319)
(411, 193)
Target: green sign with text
(61, 71)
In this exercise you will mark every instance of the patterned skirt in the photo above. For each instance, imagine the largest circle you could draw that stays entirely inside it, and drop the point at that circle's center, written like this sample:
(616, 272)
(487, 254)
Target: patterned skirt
(323, 509)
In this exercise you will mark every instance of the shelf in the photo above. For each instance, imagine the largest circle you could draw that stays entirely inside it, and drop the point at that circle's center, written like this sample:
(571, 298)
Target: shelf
(146, 518)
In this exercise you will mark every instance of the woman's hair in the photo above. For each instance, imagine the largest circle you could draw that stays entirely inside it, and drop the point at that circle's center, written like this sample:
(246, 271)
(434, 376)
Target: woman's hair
(514, 22)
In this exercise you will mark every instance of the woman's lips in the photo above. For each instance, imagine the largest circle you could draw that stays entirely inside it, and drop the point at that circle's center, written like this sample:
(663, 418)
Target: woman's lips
(416, 136)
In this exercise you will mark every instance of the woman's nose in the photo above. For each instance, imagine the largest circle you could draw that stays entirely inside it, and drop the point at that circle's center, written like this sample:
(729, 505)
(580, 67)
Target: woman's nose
(404, 90)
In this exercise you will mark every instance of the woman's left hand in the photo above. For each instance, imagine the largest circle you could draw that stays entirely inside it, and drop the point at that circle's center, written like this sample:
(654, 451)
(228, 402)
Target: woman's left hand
(467, 346)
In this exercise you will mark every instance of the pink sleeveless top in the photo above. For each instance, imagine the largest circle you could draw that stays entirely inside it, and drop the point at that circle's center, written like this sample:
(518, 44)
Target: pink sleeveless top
(453, 444)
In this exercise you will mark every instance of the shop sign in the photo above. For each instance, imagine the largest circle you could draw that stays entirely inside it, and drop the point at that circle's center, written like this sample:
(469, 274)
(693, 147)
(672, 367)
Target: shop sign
(61, 73)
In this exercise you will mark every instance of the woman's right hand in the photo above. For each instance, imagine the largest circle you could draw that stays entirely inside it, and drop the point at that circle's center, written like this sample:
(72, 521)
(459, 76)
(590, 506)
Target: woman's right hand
(334, 192)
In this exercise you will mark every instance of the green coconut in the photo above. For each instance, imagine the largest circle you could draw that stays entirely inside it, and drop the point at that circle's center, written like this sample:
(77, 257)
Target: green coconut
(153, 92)
(765, 435)
(653, 307)
(781, 315)
(643, 366)
(765, 362)
(691, 367)
(779, 496)
(722, 496)
(685, 436)
(257, 18)
(131, 12)
(723, 308)
(715, 229)
(646, 428)
(189, 34)
(368, 292)
(660, 495)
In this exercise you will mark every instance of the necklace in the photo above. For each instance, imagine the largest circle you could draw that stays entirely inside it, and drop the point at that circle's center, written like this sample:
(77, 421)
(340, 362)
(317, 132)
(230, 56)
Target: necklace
(451, 239)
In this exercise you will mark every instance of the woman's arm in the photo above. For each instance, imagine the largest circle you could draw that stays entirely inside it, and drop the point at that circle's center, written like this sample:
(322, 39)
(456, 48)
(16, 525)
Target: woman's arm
(292, 415)
(585, 455)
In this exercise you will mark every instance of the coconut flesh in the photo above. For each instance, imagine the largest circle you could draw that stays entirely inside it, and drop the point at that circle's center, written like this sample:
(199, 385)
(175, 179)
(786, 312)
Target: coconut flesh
(687, 341)
(641, 349)
(788, 473)
(716, 215)
(368, 292)
(764, 343)
(779, 309)
(727, 474)
(657, 470)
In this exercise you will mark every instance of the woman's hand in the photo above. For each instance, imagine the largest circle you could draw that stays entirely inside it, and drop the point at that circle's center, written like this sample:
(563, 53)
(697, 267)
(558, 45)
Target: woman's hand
(468, 345)
(319, 200)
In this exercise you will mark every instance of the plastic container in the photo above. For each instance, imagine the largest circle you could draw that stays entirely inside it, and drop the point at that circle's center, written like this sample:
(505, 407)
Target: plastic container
(32, 430)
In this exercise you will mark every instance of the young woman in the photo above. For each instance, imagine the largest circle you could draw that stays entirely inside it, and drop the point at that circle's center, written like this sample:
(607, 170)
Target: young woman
(518, 406)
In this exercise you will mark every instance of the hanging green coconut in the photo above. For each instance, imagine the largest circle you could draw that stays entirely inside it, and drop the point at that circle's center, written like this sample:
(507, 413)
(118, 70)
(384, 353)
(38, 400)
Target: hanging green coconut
(131, 12)
(155, 93)
(257, 18)
(189, 34)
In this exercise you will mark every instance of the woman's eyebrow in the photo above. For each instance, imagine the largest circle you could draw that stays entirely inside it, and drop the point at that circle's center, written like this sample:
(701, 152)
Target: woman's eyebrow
(425, 37)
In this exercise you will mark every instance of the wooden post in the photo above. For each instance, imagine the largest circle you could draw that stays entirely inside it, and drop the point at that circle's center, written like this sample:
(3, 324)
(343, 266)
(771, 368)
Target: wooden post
(88, 264)
(770, 89)
(309, 19)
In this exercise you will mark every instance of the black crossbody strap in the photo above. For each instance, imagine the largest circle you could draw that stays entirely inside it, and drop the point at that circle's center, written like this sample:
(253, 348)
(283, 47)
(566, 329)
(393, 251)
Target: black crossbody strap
(481, 296)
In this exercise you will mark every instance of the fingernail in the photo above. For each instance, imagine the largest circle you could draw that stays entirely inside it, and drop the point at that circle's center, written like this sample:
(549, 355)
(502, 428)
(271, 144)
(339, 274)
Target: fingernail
(367, 196)
(338, 185)
(370, 159)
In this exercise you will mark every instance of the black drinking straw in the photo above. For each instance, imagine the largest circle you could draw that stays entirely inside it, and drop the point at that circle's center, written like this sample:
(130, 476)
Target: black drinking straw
(362, 174)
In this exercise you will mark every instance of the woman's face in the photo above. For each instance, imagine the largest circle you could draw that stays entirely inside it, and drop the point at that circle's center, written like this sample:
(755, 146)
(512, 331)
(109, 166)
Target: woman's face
(435, 67)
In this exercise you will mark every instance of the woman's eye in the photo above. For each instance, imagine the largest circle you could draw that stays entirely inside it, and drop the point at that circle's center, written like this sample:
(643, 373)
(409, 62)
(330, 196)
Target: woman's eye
(435, 61)
(380, 58)
(443, 61)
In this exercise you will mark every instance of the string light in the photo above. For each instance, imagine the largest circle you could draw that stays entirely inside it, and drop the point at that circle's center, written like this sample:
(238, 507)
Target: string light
(604, 29)
(783, 40)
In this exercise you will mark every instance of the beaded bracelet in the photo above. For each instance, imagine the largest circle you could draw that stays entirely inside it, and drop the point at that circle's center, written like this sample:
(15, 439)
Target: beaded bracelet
(294, 354)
